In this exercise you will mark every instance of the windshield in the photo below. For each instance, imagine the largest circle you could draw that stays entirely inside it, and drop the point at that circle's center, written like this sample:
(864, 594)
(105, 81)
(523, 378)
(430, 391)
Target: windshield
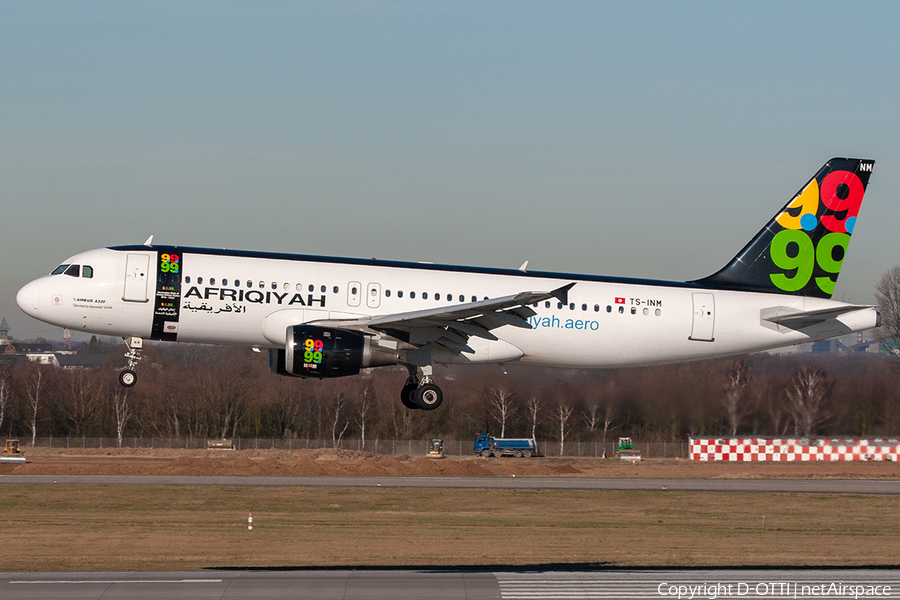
(59, 269)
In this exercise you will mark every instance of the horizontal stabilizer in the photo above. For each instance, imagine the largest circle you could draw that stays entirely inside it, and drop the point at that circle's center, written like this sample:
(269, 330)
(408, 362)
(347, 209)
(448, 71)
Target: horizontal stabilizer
(798, 319)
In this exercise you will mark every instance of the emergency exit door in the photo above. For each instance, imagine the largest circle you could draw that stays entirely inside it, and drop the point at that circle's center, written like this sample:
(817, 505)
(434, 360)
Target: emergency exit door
(704, 317)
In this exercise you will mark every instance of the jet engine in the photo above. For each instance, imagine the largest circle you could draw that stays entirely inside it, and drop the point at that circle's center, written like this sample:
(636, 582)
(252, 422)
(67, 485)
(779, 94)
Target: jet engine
(312, 351)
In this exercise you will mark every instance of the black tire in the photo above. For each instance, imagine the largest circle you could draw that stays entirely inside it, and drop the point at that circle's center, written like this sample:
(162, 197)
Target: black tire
(485, 453)
(406, 396)
(428, 396)
(527, 454)
(517, 454)
(127, 378)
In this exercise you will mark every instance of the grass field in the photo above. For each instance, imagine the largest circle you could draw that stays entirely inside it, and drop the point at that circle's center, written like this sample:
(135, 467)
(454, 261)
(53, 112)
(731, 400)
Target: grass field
(62, 528)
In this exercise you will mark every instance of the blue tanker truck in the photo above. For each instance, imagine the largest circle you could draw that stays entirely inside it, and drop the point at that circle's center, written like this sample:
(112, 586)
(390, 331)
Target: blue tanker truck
(486, 445)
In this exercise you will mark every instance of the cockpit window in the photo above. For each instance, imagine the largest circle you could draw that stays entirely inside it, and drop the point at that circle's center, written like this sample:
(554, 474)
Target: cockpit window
(87, 271)
(73, 270)
(59, 269)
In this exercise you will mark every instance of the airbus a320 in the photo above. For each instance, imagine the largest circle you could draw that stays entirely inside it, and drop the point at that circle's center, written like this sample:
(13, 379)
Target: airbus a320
(331, 317)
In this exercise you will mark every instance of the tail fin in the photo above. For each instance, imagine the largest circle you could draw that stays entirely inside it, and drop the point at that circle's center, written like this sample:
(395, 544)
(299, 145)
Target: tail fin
(801, 249)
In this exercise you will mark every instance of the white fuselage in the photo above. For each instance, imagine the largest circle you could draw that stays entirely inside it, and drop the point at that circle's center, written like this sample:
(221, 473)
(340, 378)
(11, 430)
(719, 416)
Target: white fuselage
(250, 299)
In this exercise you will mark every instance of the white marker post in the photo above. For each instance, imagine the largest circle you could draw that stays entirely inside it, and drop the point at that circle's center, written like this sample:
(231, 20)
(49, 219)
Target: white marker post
(250, 522)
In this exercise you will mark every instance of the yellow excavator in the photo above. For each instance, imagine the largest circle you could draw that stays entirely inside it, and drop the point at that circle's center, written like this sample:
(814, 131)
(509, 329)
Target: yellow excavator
(12, 454)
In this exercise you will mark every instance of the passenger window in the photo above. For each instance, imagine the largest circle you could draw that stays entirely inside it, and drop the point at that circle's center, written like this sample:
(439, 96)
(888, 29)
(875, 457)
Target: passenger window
(274, 286)
(621, 310)
(584, 307)
(262, 285)
(608, 308)
(73, 270)
(224, 282)
(462, 298)
(547, 304)
(87, 271)
(335, 289)
(287, 286)
(400, 294)
(187, 279)
(571, 306)
(199, 281)
(249, 284)
(596, 308)
(558, 305)
(387, 293)
(60, 269)
(424, 295)
(353, 290)
(633, 310)
(212, 281)
(412, 294)
(323, 289)
(437, 296)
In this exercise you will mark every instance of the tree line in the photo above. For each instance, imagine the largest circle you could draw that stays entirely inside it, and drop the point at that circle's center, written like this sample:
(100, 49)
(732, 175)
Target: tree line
(198, 391)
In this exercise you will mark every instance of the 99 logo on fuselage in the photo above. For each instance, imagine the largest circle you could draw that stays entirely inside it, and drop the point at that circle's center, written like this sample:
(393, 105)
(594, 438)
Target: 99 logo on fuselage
(822, 222)
(168, 263)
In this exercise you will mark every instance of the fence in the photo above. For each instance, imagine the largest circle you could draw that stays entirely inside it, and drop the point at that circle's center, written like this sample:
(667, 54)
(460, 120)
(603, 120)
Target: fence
(384, 447)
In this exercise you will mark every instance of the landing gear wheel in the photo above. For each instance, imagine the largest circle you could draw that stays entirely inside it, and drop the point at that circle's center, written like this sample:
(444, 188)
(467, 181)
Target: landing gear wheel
(428, 396)
(127, 378)
(407, 395)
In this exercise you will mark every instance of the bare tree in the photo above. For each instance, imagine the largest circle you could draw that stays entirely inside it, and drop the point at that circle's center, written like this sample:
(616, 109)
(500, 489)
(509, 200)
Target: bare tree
(122, 410)
(887, 295)
(4, 394)
(501, 408)
(334, 417)
(561, 417)
(362, 410)
(806, 399)
(534, 411)
(82, 399)
(735, 401)
(33, 382)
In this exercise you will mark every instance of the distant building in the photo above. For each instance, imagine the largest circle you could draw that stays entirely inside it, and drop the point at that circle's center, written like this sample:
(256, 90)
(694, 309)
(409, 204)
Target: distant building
(4, 333)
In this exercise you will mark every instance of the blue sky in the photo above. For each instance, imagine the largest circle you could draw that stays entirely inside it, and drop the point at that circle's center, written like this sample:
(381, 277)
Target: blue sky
(639, 139)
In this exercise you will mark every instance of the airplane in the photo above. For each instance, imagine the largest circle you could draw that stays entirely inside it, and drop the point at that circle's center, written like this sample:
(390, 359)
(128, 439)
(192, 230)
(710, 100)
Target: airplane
(331, 317)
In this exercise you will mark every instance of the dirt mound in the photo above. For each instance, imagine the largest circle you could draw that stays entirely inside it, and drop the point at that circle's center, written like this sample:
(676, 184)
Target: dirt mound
(336, 462)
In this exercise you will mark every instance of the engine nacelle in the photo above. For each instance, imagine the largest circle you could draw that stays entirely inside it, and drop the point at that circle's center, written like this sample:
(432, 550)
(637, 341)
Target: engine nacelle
(312, 351)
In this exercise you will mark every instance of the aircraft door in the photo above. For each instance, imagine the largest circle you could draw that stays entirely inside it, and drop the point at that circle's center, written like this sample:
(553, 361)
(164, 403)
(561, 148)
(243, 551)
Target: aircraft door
(373, 295)
(137, 268)
(354, 291)
(704, 317)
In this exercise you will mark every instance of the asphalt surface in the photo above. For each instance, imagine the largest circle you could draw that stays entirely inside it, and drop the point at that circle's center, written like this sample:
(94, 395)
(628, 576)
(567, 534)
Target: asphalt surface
(452, 584)
(811, 486)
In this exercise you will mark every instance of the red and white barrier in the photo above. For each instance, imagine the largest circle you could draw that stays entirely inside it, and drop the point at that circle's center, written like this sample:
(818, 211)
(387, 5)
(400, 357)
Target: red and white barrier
(748, 449)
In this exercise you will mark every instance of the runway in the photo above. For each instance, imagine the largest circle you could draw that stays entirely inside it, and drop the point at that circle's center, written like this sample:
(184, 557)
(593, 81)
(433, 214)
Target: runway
(453, 584)
(806, 486)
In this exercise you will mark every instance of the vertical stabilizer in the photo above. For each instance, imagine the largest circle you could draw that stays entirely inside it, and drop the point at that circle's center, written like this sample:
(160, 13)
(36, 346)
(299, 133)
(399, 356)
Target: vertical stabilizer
(800, 251)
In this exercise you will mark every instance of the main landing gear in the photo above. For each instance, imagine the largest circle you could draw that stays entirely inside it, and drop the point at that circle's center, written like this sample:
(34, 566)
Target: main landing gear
(422, 394)
(128, 377)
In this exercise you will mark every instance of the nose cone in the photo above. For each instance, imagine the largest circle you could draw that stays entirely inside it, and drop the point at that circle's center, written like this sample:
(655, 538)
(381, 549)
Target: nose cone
(28, 298)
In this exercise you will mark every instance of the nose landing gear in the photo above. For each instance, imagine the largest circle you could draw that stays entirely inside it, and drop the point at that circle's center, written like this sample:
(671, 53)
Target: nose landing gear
(128, 377)
(422, 393)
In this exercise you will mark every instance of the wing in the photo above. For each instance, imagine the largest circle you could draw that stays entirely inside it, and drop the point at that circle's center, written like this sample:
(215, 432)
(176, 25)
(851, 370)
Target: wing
(452, 326)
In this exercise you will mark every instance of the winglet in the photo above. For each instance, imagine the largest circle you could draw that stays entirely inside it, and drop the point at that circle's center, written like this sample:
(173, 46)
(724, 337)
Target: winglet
(149, 241)
(562, 294)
